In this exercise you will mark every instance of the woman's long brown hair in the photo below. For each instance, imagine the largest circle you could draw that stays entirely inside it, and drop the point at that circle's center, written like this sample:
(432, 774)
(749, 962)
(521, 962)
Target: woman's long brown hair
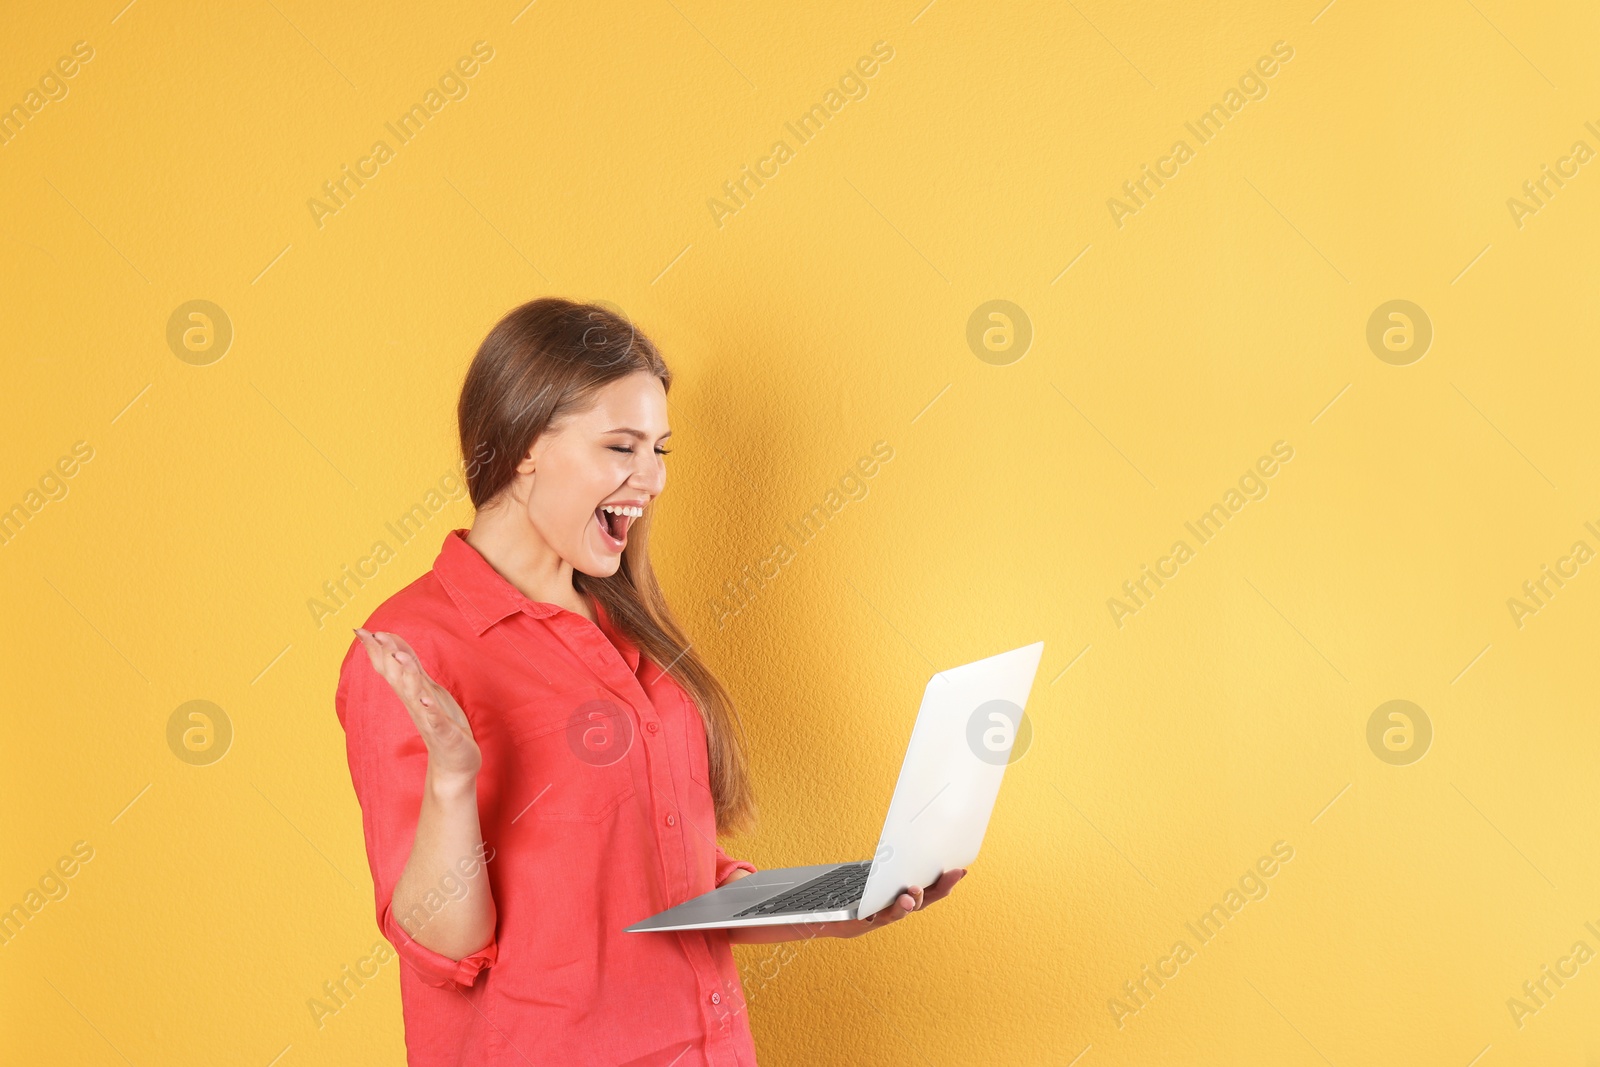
(541, 362)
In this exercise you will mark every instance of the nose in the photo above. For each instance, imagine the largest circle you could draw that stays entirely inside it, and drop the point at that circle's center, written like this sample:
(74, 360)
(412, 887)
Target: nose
(649, 473)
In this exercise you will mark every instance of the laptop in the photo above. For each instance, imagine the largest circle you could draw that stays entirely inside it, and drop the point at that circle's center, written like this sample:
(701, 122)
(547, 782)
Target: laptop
(960, 745)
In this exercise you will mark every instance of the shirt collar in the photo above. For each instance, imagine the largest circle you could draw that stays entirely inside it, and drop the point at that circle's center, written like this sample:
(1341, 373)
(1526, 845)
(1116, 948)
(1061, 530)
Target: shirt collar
(630, 654)
(479, 591)
(484, 597)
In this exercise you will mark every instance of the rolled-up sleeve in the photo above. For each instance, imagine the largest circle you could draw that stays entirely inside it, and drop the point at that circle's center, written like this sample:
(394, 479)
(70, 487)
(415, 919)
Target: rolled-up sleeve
(726, 865)
(436, 970)
(388, 767)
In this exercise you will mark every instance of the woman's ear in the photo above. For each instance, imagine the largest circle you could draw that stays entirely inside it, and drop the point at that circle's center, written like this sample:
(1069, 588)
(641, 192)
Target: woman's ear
(527, 464)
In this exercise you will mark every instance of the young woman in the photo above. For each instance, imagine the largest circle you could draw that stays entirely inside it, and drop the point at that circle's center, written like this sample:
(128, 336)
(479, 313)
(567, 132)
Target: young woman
(540, 756)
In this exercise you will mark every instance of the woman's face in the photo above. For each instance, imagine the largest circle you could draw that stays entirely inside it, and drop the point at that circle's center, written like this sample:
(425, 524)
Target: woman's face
(610, 455)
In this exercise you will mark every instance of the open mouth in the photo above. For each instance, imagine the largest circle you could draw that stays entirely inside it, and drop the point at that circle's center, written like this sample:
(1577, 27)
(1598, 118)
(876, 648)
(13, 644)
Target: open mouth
(614, 526)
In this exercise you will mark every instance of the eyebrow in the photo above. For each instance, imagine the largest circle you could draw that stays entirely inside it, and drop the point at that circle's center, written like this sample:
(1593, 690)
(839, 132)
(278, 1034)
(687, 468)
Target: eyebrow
(640, 434)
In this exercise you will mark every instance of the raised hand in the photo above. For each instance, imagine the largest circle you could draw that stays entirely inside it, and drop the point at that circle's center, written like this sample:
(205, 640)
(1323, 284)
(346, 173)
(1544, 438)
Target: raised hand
(452, 751)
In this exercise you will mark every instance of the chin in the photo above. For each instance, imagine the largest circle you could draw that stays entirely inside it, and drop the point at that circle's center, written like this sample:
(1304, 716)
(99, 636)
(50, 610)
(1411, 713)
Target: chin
(601, 566)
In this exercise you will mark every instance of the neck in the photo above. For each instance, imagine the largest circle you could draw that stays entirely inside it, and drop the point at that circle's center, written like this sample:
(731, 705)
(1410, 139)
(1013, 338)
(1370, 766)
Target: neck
(509, 543)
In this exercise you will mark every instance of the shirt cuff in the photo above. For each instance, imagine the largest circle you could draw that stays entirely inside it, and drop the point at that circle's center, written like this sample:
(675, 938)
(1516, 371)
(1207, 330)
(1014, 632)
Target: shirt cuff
(727, 865)
(436, 969)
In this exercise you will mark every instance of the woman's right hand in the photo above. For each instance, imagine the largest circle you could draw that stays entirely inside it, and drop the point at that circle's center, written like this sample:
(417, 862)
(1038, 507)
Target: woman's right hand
(453, 754)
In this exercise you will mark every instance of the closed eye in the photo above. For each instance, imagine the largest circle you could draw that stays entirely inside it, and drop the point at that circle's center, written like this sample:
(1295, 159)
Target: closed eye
(629, 451)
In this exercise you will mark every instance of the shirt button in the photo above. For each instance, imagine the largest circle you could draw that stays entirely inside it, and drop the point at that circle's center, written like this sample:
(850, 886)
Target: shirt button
(672, 820)
(716, 998)
(652, 726)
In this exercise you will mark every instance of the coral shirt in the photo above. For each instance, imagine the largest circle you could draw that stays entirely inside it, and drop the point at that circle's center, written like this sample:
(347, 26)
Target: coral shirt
(596, 810)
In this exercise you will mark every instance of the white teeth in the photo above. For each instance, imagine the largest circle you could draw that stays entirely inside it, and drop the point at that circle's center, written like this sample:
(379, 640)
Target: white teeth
(617, 509)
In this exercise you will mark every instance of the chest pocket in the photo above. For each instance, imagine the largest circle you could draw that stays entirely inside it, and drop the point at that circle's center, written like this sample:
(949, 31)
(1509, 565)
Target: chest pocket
(574, 751)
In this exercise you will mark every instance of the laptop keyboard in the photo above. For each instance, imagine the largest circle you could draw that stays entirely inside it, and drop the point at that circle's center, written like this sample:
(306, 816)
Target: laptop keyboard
(835, 889)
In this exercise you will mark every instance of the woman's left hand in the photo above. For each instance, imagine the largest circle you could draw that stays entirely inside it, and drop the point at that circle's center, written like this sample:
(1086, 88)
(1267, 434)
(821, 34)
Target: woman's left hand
(914, 899)
(909, 900)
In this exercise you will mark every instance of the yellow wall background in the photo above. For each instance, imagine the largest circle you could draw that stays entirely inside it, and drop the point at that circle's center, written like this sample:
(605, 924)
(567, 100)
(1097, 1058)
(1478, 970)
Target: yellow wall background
(1172, 747)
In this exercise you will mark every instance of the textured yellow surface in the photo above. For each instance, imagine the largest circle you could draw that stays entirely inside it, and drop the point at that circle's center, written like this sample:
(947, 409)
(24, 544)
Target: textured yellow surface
(1182, 328)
